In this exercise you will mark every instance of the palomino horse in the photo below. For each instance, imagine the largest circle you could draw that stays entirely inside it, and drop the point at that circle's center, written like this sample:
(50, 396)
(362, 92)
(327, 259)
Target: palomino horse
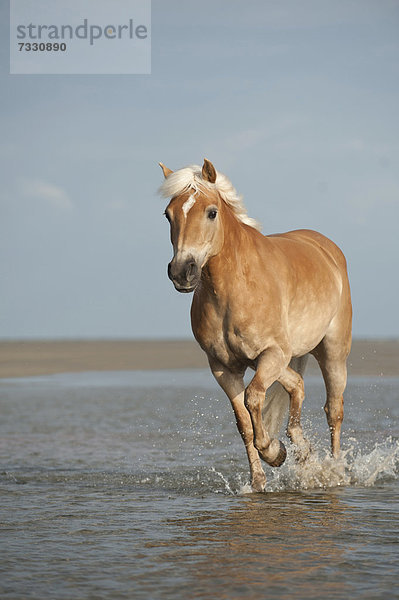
(263, 302)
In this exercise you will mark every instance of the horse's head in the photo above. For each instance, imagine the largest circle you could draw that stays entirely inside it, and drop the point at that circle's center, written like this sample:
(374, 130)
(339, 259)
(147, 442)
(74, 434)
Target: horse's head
(195, 224)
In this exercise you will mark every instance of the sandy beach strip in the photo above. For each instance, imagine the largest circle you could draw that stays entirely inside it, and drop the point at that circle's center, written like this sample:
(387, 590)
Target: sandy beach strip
(44, 357)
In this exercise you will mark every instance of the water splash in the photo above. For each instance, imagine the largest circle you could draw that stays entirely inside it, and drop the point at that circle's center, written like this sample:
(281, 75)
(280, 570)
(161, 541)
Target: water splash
(355, 467)
(379, 465)
(225, 481)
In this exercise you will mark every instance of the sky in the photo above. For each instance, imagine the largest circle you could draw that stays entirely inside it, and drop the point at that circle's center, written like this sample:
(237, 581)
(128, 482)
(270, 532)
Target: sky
(296, 101)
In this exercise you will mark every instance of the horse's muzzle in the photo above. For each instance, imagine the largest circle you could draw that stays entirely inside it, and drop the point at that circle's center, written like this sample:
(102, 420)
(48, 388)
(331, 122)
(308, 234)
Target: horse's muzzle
(185, 274)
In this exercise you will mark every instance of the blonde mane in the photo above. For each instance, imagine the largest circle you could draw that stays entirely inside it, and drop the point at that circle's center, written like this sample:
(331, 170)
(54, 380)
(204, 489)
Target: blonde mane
(191, 177)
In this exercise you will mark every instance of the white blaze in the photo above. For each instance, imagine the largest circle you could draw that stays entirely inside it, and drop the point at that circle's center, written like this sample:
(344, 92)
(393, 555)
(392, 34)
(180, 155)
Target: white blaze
(189, 203)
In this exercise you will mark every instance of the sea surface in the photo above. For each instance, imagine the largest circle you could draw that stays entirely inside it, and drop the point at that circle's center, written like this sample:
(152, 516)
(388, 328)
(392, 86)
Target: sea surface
(134, 485)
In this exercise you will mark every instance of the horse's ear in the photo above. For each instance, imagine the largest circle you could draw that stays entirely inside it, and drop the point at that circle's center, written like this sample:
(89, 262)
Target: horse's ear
(166, 171)
(208, 171)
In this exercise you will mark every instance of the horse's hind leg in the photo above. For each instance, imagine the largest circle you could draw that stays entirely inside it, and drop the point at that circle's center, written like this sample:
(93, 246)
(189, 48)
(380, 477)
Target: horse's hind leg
(333, 368)
(335, 380)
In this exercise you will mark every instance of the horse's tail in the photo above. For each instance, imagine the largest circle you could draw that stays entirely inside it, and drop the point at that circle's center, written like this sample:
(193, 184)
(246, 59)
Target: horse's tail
(277, 400)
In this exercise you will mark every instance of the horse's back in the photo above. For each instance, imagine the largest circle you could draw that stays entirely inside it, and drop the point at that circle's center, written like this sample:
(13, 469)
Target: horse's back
(295, 243)
(316, 239)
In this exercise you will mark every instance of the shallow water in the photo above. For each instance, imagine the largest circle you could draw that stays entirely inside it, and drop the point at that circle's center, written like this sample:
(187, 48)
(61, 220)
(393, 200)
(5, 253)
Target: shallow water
(135, 485)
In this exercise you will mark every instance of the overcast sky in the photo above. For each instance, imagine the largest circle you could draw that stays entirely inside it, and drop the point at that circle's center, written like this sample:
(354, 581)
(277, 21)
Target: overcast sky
(296, 101)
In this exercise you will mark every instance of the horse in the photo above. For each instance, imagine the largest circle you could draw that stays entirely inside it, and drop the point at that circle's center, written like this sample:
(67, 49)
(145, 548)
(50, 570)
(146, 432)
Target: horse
(263, 302)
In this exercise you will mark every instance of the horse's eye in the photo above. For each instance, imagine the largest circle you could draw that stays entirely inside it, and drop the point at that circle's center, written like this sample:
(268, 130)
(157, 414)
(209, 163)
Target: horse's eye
(167, 216)
(212, 214)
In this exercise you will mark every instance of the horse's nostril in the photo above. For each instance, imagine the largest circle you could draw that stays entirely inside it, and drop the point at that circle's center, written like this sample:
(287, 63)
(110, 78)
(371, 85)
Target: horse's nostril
(191, 270)
(183, 273)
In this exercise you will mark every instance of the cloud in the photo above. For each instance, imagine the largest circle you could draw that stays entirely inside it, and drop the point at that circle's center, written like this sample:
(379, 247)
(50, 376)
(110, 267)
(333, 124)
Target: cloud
(44, 190)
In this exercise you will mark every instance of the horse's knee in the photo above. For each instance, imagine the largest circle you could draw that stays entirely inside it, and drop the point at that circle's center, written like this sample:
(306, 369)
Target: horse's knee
(253, 398)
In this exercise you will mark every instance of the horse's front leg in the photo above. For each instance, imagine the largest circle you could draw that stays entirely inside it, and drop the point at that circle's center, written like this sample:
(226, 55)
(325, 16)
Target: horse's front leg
(233, 386)
(270, 365)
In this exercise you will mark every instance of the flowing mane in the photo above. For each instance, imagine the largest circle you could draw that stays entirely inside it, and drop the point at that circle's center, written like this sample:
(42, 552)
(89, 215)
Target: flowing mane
(191, 177)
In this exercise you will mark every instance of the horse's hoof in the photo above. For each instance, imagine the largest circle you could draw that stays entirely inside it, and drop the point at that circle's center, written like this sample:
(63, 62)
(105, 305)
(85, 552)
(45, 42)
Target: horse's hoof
(275, 454)
(302, 452)
(258, 484)
(280, 458)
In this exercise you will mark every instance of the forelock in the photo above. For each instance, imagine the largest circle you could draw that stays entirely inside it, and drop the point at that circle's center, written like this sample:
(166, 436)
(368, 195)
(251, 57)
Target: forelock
(190, 178)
